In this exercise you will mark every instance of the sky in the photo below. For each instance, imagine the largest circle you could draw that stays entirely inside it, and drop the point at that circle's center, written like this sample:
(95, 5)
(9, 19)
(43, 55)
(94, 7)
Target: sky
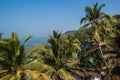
(40, 17)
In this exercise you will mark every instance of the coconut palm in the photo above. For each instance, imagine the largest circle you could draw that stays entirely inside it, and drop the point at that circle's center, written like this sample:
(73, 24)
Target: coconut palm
(102, 30)
(71, 45)
(93, 14)
(12, 57)
(60, 56)
(93, 18)
(54, 59)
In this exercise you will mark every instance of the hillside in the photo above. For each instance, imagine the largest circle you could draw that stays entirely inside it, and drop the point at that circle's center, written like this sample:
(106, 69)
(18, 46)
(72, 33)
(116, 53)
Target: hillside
(70, 32)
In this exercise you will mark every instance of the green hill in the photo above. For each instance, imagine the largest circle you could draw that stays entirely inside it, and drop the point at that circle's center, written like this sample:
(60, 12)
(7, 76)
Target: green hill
(70, 32)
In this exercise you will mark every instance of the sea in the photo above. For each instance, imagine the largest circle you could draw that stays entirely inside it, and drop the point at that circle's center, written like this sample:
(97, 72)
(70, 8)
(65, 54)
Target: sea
(34, 41)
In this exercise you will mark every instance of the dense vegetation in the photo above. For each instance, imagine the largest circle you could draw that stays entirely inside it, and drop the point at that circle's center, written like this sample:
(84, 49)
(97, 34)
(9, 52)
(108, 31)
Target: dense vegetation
(93, 50)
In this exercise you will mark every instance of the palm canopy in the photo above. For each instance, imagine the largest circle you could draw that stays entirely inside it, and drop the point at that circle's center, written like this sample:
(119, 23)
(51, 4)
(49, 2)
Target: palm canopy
(12, 53)
(98, 21)
(55, 42)
(52, 59)
(93, 14)
(63, 47)
(57, 50)
(102, 29)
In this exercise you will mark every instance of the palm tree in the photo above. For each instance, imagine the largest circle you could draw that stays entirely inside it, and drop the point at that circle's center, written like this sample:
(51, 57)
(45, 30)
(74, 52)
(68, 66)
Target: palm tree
(93, 18)
(93, 14)
(55, 42)
(12, 57)
(58, 52)
(54, 59)
(71, 45)
(100, 24)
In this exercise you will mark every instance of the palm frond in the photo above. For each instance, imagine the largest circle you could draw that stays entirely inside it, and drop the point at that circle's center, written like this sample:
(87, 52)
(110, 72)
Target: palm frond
(44, 76)
(15, 38)
(50, 55)
(64, 75)
(82, 20)
(7, 77)
(85, 19)
(3, 71)
(88, 11)
(103, 5)
(33, 65)
(32, 75)
(27, 38)
(37, 51)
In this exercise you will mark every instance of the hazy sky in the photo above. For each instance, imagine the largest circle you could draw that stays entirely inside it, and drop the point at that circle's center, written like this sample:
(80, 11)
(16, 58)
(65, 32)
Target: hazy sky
(40, 17)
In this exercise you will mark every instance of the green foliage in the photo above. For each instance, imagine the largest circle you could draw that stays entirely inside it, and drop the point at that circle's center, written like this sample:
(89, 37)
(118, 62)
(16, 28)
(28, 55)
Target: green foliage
(1, 35)
(65, 57)
(71, 32)
(12, 54)
(7, 77)
(108, 77)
